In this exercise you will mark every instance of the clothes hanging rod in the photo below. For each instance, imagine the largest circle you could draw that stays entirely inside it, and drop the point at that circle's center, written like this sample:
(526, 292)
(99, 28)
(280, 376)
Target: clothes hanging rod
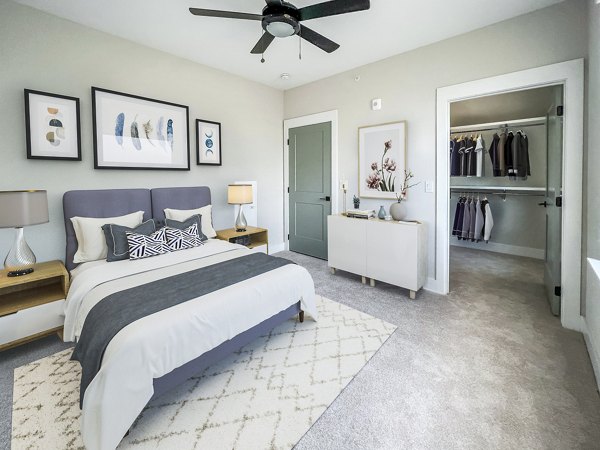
(531, 122)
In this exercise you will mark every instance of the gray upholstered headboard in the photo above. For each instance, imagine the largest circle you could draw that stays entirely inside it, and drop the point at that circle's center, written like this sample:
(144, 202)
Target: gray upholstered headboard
(178, 198)
(118, 202)
(101, 203)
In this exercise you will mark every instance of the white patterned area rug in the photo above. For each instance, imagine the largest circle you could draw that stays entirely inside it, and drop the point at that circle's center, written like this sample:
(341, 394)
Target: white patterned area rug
(265, 396)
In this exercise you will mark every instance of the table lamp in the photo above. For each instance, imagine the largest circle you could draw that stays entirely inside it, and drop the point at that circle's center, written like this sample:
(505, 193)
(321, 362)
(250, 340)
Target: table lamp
(240, 194)
(17, 210)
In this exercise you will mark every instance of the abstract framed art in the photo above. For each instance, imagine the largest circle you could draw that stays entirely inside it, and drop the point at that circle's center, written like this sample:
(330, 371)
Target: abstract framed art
(208, 143)
(52, 126)
(133, 132)
(381, 160)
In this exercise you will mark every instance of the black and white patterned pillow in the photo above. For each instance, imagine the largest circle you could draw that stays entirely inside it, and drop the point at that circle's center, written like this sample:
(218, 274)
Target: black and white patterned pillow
(145, 246)
(183, 239)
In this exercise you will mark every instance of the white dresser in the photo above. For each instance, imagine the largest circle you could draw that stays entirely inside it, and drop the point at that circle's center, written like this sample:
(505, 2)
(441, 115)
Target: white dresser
(388, 251)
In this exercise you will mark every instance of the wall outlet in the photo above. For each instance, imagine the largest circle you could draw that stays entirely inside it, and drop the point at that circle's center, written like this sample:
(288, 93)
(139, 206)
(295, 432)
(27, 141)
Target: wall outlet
(429, 187)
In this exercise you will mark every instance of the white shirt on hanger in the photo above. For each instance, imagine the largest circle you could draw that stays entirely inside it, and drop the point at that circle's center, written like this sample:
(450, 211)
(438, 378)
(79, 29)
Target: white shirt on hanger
(480, 150)
(489, 223)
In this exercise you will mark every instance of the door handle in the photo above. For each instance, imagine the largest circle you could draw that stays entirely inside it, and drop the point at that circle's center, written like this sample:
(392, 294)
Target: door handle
(544, 204)
(327, 199)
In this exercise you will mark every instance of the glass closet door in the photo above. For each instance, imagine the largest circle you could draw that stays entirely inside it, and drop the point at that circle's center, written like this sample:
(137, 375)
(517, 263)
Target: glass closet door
(553, 203)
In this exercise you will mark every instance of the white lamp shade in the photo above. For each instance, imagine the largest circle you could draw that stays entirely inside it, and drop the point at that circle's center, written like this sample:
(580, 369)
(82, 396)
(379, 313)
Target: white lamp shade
(239, 194)
(22, 208)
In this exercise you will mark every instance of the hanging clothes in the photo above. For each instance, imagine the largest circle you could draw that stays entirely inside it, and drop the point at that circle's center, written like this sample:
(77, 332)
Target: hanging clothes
(455, 229)
(489, 222)
(461, 213)
(521, 156)
(495, 151)
(466, 221)
(454, 158)
(462, 151)
(473, 216)
(479, 222)
(471, 158)
(479, 150)
(509, 155)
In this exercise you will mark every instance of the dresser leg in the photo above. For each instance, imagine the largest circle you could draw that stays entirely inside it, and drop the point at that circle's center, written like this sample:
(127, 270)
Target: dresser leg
(301, 316)
(332, 270)
(364, 280)
(372, 282)
(413, 295)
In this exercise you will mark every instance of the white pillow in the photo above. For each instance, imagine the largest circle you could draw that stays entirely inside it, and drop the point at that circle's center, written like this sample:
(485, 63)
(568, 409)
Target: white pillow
(182, 215)
(91, 244)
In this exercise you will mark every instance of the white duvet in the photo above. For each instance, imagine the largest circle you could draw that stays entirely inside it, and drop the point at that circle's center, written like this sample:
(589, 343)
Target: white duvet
(155, 345)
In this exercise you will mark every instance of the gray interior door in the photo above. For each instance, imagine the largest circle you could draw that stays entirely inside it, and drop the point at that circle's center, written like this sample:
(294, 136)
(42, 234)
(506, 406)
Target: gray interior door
(310, 188)
(553, 203)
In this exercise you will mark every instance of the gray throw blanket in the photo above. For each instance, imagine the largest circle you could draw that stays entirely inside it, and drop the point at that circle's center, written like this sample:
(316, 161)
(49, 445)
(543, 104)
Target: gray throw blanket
(116, 311)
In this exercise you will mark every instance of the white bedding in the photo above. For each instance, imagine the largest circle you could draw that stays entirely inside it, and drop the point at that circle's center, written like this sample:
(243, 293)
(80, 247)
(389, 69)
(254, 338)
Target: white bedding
(155, 345)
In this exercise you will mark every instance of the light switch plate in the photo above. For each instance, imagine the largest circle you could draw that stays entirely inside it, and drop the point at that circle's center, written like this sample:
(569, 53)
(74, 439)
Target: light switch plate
(429, 187)
(344, 185)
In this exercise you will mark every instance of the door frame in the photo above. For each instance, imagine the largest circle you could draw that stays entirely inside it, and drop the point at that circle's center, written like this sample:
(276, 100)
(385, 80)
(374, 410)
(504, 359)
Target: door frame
(311, 119)
(571, 75)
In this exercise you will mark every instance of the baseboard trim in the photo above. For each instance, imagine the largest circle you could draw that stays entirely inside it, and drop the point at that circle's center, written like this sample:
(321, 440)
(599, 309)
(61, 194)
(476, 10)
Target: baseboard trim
(537, 253)
(276, 248)
(594, 355)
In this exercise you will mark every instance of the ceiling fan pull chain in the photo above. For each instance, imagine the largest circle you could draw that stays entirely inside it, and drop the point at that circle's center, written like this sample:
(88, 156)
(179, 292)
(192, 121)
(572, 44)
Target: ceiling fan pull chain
(262, 53)
(300, 44)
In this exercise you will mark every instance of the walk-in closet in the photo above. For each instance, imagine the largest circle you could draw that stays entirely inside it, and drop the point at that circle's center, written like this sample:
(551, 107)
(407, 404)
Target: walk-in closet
(506, 184)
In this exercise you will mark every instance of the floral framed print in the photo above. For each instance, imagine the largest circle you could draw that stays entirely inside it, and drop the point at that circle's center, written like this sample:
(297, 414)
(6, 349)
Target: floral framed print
(52, 126)
(133, 132)
(382, 160)
(208, 143)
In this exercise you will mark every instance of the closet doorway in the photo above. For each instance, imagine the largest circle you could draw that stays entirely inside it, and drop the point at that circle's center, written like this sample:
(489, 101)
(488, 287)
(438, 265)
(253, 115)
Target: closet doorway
(569, 74)
(506, 154)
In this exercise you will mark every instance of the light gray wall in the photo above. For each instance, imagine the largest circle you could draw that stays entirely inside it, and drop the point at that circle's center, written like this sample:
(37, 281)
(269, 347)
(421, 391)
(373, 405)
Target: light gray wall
(43, 52)
(592, 280)
(407, 84)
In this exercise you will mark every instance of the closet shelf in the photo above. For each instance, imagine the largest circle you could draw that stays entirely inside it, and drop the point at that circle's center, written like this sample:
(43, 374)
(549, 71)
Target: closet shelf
(502, 190)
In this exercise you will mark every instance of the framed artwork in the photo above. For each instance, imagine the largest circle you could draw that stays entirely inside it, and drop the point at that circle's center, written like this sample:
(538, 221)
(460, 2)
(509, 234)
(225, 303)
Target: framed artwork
(132, 132)
(381, 159)
(208, 143)
(52, 126)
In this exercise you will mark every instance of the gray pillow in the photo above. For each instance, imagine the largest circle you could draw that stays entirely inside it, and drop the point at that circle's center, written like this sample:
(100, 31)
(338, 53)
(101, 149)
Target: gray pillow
(195, 219)
(116, 238)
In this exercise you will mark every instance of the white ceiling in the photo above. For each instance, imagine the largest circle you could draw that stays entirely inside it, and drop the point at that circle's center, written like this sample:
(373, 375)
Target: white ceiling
(388, 28)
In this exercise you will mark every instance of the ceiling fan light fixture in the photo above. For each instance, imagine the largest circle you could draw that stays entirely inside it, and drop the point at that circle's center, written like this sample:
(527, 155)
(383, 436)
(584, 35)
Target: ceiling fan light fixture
(281, 29)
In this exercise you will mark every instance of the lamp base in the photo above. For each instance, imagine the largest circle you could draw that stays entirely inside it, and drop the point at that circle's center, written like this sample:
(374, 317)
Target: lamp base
(240, 223)
(19, 273)
(20, 258)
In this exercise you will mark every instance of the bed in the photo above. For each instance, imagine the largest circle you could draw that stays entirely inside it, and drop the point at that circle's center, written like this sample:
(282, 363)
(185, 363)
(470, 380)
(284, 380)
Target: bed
(161, 350)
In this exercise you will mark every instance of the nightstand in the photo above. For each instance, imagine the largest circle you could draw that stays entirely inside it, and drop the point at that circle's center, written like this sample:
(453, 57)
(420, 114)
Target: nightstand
(32, 306)
(258, 238)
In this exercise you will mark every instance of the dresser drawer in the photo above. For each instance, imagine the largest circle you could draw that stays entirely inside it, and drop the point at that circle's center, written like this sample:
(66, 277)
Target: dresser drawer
(31, 321)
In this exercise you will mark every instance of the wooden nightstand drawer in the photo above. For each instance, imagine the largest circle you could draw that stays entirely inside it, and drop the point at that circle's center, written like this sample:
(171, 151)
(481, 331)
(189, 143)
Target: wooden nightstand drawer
(27, 323)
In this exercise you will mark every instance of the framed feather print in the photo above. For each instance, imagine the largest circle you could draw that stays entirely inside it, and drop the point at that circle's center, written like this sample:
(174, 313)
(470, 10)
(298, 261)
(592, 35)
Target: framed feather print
(133, 132)
(52, 126)
(208, 143)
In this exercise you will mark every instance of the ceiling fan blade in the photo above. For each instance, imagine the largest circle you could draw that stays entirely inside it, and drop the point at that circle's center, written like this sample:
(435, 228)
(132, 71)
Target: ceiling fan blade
(333, 8)
(318, 39)
(225, 14)
(263, 43)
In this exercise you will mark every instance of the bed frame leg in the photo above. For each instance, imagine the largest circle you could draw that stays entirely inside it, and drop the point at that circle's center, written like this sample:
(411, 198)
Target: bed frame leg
(301, 316)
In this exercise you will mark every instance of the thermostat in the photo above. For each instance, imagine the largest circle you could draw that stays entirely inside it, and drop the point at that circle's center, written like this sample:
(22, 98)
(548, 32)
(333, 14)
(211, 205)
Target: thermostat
(376, 104)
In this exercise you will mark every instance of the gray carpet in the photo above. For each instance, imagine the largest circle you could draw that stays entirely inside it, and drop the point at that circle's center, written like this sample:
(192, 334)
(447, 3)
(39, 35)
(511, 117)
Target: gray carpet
(486, 367)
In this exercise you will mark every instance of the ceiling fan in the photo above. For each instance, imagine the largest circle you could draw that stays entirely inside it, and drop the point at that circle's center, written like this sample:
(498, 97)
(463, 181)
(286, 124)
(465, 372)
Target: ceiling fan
(282, 19)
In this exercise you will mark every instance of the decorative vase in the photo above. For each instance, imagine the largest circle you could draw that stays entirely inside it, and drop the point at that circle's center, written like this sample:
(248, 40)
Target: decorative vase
(356, 202)
(381, 214)
(398, 211)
